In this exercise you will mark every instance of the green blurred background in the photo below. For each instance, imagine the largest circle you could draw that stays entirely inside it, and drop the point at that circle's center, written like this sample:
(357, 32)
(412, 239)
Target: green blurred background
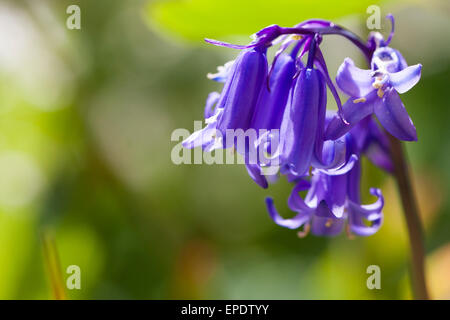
(86, 118)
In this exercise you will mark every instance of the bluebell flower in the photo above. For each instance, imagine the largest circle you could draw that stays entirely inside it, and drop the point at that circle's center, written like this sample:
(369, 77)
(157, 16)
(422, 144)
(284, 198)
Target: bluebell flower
(208, 138)
(373, 142)
(269, 114)
(319, 151)
(241, 90)
(273, 99)
(333, 197)
(332, 201)
(376, 91)
(233, 109)
(223, 72)
(301, 121)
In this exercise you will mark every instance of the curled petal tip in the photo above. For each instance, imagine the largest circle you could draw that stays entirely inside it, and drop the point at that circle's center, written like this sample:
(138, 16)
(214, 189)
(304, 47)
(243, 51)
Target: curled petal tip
(342, 117)
(344, 169)
(293, 223)
(375, 192)
(254, 172)
(391, 34)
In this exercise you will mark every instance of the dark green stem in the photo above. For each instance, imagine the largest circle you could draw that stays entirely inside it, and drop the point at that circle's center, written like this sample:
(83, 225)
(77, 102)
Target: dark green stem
(414, 225)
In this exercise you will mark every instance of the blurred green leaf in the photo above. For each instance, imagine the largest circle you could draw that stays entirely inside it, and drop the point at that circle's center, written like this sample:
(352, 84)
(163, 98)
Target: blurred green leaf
(197, 19)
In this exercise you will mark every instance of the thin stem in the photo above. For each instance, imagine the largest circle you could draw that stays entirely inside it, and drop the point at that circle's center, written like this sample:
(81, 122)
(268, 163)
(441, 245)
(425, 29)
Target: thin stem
(336, 30)
(325, 28)
(53, 265)
(411, 212)
(312, 52)
(412, 217)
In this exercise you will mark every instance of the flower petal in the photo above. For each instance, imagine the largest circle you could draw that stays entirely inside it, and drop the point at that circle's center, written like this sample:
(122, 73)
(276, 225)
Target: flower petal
(241, 91)
(394, 118)
(223, 72)
(255, 173)
(404, 80)
(209, 138)
(358, 227)
(352, 80)
(354, 111)
(353, 184)
(345, 168)
(371, 212)
(332, 155)
(287, 42)
(358, 136)
(296, 222)
(322, 66)
(324, 222)
(377, 148)
(298, 139)
(359, 215)
(336, 195)
(321, 120)
(271, 104)
(295, 201)
(386, 58)
(212, 99)
(201, 138)
(371, 140)
(379, 157)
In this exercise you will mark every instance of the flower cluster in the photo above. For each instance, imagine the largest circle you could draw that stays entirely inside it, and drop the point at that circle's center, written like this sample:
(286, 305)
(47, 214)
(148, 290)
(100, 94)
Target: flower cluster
(318, 150)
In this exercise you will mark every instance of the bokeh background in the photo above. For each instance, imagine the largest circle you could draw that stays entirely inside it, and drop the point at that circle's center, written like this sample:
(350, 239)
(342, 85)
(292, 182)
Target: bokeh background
(86, 118)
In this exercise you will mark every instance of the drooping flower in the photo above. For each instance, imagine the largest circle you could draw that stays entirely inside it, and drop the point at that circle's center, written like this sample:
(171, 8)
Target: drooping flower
(234, 107)
(241, 91)
(207, 138)
(373, 142)
(318, 151)
(333, 197)
(301, 121)
(269, 114)
(376, 91)
(332, 201)
(273, 99)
